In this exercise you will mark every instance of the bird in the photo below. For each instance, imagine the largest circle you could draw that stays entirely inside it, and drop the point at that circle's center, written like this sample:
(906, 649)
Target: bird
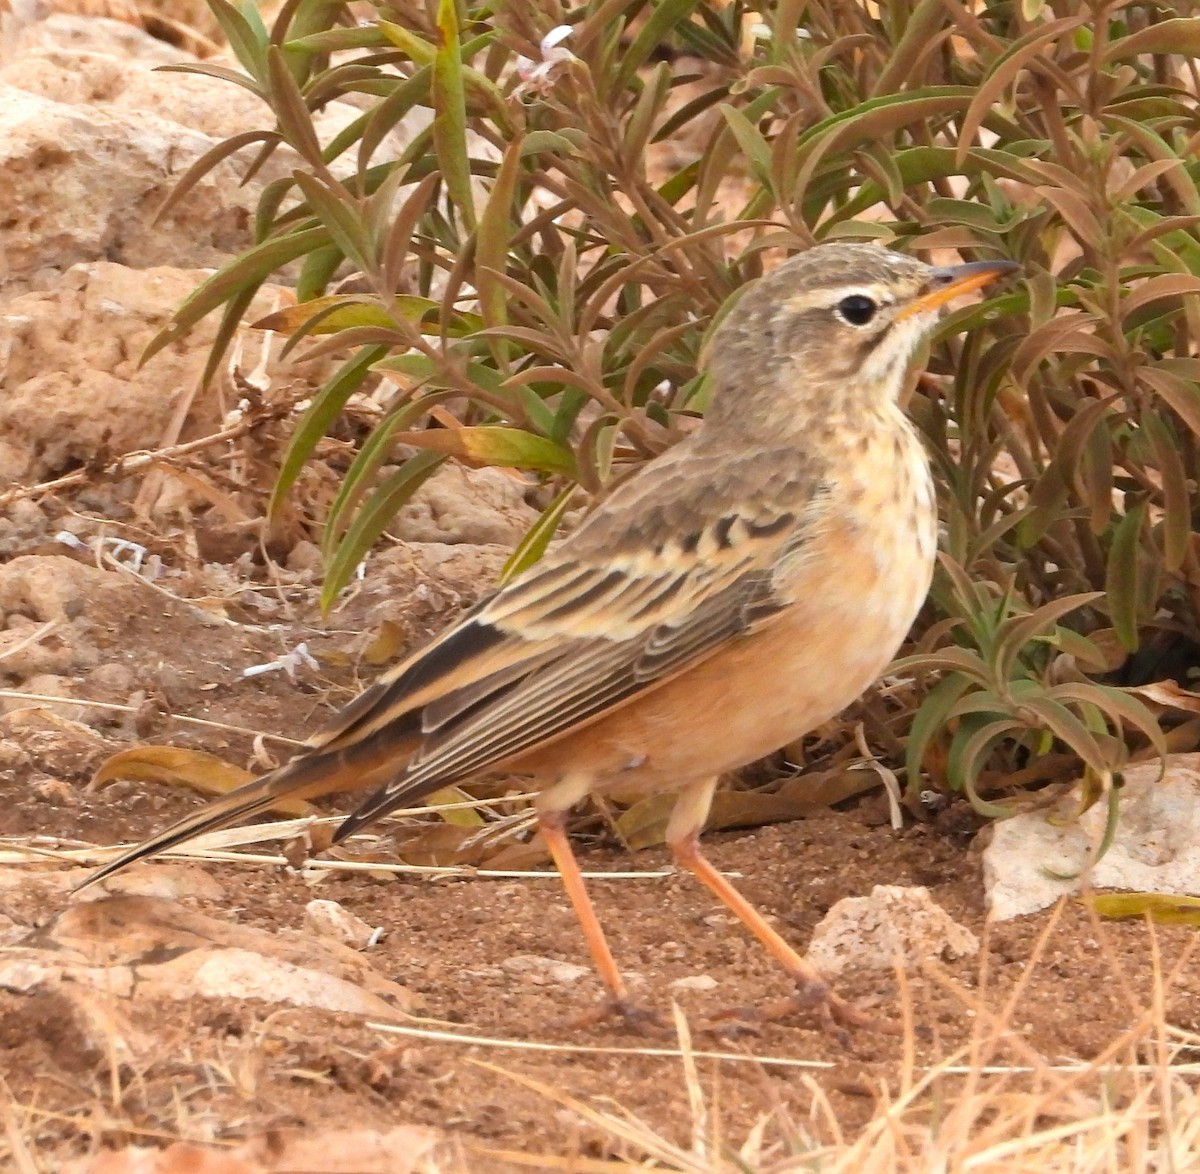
(738, 591)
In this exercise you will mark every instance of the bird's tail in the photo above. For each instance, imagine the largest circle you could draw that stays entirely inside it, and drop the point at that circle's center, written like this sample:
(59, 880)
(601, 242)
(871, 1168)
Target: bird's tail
(307, 776)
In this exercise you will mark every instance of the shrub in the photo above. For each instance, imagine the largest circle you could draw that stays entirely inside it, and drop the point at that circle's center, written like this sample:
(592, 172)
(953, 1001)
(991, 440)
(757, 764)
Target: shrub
(539, 263)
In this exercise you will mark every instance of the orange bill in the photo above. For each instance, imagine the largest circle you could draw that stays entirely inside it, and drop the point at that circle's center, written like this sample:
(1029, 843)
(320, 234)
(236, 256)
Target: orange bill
(952, 281)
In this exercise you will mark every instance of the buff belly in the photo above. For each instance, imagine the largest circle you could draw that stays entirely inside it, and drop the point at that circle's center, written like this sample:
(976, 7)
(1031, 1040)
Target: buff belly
(819, 655)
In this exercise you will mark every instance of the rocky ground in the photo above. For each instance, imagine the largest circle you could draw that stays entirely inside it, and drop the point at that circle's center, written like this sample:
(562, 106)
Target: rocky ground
(433, 1016)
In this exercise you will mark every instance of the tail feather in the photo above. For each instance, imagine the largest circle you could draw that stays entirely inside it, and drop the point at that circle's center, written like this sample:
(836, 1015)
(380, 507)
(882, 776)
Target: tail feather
(307, 776)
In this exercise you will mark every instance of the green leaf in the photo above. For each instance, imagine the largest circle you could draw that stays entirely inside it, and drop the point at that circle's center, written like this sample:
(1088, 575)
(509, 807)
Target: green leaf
(1119, 705)
(492, 241)
(247, 39)
(1122, 579)
(972, 744)
(337, 40)
(664, 17)
(371, 521)
(316, 272)
(1176, 521)
(316, 421)
(751, 142)
(340, 215)
(295, 118)
(450, 106)
(1018, 631)
(1175, 381)
(418, 49)
(538, 537)
(246, 272)
(376, 451)
(1068, 729)
(338, 312)
(1171, 37)
(496, 446)
(929, 719)
(875, 120)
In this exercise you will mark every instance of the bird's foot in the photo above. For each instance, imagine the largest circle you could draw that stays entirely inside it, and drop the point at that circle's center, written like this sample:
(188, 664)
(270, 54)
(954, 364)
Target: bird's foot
(835, 1015)
(631, 1017)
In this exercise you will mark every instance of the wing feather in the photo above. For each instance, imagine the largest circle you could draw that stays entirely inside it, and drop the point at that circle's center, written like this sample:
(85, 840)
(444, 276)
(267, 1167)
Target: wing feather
(680, 560)
(586, 681)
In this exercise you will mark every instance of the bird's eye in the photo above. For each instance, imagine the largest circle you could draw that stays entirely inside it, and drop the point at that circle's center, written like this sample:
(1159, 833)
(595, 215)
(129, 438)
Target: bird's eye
(858, 309)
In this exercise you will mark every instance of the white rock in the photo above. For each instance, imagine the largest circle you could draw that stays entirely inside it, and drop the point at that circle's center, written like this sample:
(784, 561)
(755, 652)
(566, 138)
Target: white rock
(117, 74)
(870, 933)
(168, 879)
(92, 141)
(117, 82)
(245, 974)
(328, 919)
(693, 982)
(1030, 862)
(25, 969)
(22, 975)
(39, 32)
(544, 970)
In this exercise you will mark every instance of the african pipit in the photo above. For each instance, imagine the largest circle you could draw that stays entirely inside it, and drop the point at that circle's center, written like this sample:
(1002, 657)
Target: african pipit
(740, 590)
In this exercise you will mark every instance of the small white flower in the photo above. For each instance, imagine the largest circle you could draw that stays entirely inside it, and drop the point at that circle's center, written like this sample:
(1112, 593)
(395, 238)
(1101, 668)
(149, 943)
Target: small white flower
(761, 31)
(536, 76)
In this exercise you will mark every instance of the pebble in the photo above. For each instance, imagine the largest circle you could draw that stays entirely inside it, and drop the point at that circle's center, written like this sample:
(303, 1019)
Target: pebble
(693, 982)
(328, 919)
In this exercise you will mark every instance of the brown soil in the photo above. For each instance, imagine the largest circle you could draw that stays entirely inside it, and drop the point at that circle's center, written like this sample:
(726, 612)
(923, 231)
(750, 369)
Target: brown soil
(232, 1069)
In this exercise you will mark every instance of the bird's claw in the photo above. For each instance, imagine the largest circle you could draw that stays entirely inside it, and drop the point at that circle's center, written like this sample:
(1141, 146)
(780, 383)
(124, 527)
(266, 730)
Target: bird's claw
(837, 1016)
(632, 1017)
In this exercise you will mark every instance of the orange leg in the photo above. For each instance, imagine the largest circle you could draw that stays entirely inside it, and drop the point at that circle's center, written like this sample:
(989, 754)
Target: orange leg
(551, 826)
(812, 991)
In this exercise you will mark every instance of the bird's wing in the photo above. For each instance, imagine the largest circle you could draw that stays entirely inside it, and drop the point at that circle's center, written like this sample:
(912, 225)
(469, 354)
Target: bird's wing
(644, 591)
(680, 560)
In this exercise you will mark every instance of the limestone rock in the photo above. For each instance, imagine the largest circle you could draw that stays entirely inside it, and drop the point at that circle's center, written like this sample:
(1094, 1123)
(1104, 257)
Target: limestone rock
(69, 364)
(1031, 862)
(463, 505)
(870, 933)
(82, 184)
(542, 971)
(148, 947)
(328, 919)
(38, 589)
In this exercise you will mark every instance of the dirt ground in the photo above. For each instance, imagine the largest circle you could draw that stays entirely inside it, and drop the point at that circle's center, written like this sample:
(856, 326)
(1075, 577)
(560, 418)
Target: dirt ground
(224, 1069)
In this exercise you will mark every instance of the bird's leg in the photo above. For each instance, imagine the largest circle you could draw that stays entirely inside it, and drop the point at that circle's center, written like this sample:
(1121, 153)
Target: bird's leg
(812, 991)
(551, 819)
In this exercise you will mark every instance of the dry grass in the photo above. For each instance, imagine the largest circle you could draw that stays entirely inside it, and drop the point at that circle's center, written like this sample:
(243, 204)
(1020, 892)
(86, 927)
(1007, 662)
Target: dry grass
(993, 1105)
(1134, 1107)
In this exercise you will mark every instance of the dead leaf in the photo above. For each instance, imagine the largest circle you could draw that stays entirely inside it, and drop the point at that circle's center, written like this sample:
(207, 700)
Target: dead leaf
(178, 766)
(1169, 694)
(1163, 908)
(388, 643)
(825, 789)
(644, 825)
(444, 845)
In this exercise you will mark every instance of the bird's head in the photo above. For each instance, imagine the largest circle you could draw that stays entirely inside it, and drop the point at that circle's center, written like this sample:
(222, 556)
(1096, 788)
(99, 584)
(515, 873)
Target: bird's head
(836, 326)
